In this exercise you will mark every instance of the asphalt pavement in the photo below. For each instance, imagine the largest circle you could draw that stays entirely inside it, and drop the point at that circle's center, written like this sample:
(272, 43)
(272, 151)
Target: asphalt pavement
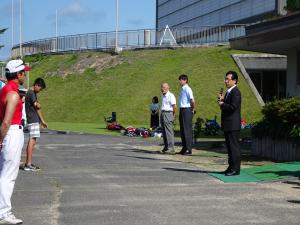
(102, 180)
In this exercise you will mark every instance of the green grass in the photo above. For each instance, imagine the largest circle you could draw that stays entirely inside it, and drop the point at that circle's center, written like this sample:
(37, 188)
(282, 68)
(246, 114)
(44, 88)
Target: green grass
(129, 87)
(90, 128)
(100, 128)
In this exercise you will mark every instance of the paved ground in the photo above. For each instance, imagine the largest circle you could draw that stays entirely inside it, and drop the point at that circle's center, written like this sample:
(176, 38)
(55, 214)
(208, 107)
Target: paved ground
(97, 180)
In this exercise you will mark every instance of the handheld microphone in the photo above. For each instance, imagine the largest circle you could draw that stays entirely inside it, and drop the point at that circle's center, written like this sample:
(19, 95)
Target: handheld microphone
(221, 93)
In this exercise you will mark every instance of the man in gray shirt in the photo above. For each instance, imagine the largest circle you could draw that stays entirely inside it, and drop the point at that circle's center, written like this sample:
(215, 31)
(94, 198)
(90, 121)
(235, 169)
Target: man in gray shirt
(34, 118)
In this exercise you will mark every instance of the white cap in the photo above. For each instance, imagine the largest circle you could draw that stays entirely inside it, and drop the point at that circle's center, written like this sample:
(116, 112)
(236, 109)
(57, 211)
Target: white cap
(16, 65)
(23, 89)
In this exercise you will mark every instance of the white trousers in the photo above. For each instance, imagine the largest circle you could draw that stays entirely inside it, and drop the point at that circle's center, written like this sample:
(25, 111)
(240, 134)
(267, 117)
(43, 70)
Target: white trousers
(10, 157)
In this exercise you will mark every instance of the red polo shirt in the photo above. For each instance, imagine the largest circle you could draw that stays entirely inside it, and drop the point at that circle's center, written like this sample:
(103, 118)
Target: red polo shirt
(10, 86)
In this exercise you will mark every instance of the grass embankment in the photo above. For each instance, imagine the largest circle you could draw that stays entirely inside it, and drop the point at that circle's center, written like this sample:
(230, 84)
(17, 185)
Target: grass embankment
(128, 87)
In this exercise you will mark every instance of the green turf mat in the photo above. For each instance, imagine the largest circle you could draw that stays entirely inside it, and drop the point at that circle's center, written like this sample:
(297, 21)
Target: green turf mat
(267, 172)
(242, 178)
(294, 163)
(289, 166)
(272, 172)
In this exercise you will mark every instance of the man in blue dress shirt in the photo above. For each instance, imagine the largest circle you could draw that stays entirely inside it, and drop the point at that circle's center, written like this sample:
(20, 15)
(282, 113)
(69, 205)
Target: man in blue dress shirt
(187, 109)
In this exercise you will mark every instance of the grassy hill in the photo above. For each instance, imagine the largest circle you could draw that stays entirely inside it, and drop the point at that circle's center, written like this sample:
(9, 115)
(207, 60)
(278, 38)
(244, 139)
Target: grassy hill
(80, 92)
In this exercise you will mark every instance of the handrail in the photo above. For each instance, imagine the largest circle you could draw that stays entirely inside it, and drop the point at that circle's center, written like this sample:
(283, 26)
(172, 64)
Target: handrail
(127, 39)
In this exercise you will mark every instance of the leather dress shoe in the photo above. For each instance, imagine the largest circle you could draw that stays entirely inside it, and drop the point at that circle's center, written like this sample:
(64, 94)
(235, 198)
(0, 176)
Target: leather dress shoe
(182, 151)
(187, 152)
(164, 150)
(227, 170)
(232, 173)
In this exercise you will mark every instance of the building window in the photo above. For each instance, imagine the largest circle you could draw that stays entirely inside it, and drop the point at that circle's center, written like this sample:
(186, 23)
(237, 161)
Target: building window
(270, 84)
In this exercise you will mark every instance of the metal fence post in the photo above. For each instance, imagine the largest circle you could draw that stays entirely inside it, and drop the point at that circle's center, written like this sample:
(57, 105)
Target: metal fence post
(219, 34)
(106, 40)
(96, 41)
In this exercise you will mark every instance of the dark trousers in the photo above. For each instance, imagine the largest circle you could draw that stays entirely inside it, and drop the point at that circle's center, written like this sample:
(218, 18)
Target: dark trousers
(233, 149)
(154, 121)
(186, 128)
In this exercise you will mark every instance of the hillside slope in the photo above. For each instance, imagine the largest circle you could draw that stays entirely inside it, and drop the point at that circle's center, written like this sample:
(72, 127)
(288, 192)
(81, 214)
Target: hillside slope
(82, 90)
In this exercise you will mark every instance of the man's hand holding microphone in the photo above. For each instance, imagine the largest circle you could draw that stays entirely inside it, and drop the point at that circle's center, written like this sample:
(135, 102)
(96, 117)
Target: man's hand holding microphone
(220, 97)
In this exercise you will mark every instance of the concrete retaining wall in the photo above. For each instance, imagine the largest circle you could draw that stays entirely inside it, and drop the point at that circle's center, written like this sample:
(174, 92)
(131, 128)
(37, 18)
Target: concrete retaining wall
(280, 151)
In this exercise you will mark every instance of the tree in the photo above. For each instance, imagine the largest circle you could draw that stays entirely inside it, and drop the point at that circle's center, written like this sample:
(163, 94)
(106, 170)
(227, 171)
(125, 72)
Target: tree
(1, 32)
(292, 5)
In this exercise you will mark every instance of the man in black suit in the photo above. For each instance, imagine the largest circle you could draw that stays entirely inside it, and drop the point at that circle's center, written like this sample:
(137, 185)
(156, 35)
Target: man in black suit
(230, 106)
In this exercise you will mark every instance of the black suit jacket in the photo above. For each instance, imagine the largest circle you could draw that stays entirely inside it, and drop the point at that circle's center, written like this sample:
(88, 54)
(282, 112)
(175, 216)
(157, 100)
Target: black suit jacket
(231, 111)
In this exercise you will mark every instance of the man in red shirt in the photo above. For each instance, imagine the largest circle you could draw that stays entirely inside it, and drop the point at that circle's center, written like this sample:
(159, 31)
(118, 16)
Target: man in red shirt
(11, 137)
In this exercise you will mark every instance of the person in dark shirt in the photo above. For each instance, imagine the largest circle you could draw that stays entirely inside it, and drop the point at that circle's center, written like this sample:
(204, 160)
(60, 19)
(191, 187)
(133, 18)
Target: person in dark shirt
(230, 106)
(154, 108)
(34, 118)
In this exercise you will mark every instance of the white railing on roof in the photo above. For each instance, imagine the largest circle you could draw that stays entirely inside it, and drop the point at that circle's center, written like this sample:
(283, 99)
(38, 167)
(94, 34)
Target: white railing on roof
(130, 39)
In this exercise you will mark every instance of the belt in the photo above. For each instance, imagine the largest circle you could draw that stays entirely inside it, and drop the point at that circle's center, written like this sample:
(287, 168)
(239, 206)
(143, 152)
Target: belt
(16, 126)
(164, 111)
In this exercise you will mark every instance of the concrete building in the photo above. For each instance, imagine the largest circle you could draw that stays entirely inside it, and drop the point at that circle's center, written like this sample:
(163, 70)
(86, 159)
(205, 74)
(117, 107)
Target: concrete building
(278, 36)
(270, 76)
(265, 74)
(198, 13)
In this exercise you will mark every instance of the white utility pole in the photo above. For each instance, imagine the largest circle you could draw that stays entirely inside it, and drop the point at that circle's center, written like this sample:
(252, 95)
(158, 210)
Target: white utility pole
(56, 30)
(12, 23)
(117, 25)
(56, 24)
(21, 28)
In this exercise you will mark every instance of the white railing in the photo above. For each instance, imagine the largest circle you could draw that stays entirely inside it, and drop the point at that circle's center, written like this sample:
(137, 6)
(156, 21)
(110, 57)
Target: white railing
(145, 38)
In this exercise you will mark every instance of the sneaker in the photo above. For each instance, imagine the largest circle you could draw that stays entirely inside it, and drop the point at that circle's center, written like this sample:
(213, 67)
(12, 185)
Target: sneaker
(170, 152)
(31, 167)
(11, 219)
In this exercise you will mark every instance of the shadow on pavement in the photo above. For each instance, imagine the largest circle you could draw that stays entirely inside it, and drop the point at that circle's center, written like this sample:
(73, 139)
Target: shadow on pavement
(297, 183)
(292, 182)
(282, 173)
(144, 151)
(294, 201)
(190, 170)
(146, 158)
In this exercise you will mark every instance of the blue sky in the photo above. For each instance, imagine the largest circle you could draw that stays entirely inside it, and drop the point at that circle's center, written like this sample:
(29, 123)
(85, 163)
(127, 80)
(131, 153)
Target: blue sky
(74, 17)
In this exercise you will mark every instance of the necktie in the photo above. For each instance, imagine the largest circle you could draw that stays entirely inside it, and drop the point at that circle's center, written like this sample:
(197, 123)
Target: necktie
(226, 94)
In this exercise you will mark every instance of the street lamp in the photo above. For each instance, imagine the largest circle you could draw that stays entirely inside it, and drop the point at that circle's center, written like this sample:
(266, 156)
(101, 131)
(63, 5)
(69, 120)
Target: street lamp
(56, 31)
(117, 49)
(21, 28)
(12, 23)
(56, 23)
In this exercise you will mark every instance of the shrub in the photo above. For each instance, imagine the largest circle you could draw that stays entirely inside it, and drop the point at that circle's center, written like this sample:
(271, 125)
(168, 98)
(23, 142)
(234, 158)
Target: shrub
(35, 58)
(281, 120)
(74, 57)
(292, 5)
